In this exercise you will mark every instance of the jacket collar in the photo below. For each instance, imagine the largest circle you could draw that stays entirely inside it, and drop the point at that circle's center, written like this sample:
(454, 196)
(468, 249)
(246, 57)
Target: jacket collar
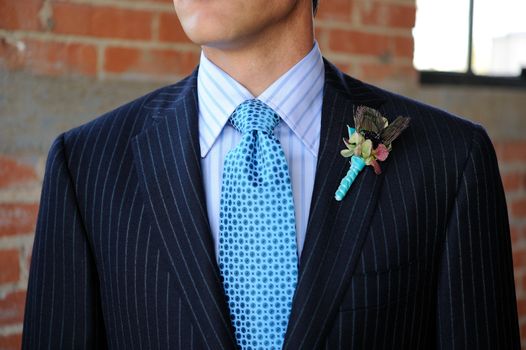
(167, 161)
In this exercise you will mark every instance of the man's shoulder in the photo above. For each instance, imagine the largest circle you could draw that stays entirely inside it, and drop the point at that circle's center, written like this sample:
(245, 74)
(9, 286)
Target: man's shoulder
(439, 133)
(424, 117)
(128, 119)
(422, 113)
(431, 124)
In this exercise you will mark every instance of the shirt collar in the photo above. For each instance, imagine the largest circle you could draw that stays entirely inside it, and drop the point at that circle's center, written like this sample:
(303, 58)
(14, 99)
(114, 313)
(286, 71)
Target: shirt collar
(296, 96)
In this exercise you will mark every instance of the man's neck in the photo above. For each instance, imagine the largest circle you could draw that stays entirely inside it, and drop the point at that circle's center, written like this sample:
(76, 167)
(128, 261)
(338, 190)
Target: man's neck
(261, 60)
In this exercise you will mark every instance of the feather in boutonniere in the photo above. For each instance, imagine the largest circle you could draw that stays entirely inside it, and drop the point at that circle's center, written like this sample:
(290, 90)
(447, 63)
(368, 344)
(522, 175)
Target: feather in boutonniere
(368, 143)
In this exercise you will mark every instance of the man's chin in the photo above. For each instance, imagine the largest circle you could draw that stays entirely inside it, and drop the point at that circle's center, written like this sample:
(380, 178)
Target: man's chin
(207, 38)
(218, 43)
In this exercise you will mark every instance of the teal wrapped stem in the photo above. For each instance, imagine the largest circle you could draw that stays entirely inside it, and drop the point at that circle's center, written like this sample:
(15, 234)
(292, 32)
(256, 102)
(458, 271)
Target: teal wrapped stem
(357, 164)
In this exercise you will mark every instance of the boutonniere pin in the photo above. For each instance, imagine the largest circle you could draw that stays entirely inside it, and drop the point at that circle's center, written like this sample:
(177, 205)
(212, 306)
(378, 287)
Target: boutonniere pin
(369, 143)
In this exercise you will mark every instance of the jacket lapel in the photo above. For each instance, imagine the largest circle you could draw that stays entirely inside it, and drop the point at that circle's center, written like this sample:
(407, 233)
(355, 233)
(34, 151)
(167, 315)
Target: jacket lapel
(167, 160)
(335, 230)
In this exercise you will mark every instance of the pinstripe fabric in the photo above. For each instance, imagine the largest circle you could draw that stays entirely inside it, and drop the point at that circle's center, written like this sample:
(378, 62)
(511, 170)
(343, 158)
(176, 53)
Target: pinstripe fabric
(417, 257)
(296, 102)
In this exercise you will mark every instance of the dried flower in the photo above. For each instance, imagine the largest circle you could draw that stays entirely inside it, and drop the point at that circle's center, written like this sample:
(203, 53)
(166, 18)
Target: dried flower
(368, 143)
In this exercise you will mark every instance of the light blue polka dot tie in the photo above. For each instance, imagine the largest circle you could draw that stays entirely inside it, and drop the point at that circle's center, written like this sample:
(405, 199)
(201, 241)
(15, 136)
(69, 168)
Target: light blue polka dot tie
(257, 245)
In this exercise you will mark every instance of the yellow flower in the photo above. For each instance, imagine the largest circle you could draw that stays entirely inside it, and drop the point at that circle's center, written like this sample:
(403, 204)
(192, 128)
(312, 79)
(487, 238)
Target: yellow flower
(353, 144)
(367, 147)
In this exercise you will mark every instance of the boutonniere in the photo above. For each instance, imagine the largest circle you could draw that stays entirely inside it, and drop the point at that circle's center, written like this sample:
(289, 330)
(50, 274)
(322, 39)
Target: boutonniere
(369, 143)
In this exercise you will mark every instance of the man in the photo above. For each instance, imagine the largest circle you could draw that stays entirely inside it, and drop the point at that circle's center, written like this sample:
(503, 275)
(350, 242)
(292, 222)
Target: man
(130, 247)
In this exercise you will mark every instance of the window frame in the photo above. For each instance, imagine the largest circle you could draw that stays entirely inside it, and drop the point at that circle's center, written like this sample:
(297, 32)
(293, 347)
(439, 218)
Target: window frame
(432, 77)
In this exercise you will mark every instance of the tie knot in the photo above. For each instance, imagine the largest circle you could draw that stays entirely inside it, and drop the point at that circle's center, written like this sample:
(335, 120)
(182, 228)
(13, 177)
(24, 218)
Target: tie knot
(254, 115)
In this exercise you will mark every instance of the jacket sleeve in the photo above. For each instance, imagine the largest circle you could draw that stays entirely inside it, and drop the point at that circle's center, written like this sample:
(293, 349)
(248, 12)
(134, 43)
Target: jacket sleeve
(63, 309)
(476, 306)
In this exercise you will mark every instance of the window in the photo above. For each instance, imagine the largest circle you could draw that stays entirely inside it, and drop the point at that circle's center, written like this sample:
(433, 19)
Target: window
(471, 41)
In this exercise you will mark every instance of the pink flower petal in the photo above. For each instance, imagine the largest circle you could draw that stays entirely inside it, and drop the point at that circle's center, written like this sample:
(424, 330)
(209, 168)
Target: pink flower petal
(381, 152)
(376, 167)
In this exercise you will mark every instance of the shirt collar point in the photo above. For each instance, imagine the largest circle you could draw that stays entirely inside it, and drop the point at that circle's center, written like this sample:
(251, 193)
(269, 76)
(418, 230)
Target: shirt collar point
(204, 149)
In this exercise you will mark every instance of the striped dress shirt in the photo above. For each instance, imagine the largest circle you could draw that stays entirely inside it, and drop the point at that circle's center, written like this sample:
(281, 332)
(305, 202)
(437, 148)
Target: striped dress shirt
(297, 98)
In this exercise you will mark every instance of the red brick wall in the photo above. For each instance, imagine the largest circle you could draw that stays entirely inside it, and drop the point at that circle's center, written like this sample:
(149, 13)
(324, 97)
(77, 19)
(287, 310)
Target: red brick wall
(17, 224)
(108, 39)
(17, 220)
(512, 159)
(142, 39)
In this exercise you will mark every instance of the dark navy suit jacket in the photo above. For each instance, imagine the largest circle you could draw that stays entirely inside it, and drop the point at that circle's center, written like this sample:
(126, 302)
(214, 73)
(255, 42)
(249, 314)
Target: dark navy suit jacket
(418, 257)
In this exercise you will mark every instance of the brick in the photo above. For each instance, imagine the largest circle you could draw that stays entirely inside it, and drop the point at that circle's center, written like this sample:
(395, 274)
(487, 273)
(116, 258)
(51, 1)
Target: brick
(372, 71)
(33, 56)
(12, 308)
(170, 29)
(347, 68)
(13, 173)
(50, 58)
(11, 342)
(521, 306)
(403, 46)
(511, 151)
(519, 259)
(10, 56)
(518, 283)
(521, 282)
(20, 14)
(10, 271)
(522, 326)
(334, 10)
(515, 234)
(101, 21)
(522, 330)
(380, 71)
(518, 208)
(359, 42)
(17, 218)
(153, 62)
(513, 181)
(388, 15)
